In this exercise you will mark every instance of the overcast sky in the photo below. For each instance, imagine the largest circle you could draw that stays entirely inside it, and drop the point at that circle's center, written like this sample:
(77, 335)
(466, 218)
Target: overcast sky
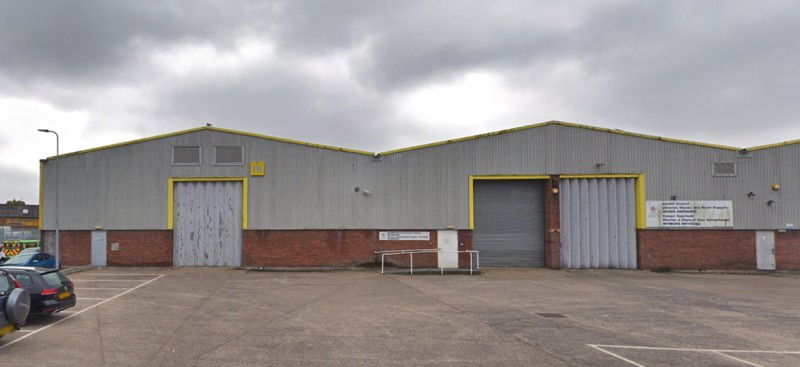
(381, 75)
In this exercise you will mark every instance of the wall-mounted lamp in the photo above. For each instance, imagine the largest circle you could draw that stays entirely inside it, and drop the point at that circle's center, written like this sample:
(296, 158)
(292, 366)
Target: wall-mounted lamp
(554, 182)
(775, 187)
(357, 189)
(673, 197)
(771, 202)
(750, 194)
(366, 192)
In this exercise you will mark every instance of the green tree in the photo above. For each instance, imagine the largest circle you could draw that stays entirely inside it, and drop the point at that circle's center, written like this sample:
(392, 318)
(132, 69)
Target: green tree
(15, 202)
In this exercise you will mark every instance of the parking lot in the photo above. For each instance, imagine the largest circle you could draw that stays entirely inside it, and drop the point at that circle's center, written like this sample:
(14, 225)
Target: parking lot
(516, 317)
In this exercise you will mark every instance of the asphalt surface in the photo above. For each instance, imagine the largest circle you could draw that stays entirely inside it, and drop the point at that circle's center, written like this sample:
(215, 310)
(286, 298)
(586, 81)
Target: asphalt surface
(530, 317)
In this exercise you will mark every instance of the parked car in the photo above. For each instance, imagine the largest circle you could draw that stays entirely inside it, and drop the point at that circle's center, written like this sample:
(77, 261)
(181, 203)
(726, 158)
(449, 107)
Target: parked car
(50, 290)
(30, 250)
(15, 304)
(37, 259)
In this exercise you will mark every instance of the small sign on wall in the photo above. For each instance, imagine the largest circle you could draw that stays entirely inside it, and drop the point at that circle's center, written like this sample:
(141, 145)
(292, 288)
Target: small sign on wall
(690, 214)
(257, 168)
(404, 236)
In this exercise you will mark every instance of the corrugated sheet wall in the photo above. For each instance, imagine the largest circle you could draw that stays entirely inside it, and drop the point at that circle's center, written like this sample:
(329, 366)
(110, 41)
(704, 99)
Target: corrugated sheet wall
(311, 188)
(598, 223)
(208, 224)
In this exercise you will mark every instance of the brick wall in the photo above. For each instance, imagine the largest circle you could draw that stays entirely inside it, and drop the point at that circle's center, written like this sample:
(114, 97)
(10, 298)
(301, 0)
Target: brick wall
(552, 224)
(337, 248)
(787, 250)
(697, 249)
(74, 246)
(327, 248)
(140, 248)
(136, 248)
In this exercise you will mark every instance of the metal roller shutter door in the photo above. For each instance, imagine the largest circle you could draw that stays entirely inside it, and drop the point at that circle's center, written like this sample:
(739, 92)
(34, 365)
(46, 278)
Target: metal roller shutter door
(598, 223)
(509, 222)
(208, 224)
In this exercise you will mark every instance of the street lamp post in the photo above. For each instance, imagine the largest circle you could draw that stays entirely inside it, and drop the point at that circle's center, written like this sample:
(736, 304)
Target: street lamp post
(58, 247)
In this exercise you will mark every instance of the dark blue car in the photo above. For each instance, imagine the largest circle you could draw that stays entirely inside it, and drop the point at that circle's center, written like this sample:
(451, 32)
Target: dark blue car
(38, 259)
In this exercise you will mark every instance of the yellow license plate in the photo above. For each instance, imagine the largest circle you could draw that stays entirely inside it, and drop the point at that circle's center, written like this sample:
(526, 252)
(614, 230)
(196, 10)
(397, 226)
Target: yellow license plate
(64, 295)
(6, 330)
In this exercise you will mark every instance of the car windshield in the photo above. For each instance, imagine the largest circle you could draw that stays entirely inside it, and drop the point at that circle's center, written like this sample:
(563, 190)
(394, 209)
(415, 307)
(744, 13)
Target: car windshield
(19, 259)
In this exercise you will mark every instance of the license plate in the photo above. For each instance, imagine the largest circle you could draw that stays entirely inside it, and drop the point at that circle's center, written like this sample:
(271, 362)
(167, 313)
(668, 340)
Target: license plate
(64, 295)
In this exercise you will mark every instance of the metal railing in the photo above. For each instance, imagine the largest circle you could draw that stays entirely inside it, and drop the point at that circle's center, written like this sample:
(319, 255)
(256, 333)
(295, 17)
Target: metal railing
(472, 254)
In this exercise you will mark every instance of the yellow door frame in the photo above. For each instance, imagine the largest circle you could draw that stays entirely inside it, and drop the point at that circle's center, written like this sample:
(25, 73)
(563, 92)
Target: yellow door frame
(640, 198)
(472, 179)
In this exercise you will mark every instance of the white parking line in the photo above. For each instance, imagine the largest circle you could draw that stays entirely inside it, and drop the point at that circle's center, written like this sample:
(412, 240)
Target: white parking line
(80, 312)
(616, 355)
(721, 352)
(121, 275)
(85, 298)
(105, 289)
(108, 280)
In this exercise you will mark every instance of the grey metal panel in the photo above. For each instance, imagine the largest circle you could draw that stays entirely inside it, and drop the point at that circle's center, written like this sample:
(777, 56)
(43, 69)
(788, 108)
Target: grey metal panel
(509, 223)
(598, 223)
(311, 188)
(208, 224)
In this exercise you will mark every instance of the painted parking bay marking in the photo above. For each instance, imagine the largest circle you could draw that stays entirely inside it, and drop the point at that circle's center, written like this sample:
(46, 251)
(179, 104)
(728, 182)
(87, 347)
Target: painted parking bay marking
(721, 352)
(81, 311)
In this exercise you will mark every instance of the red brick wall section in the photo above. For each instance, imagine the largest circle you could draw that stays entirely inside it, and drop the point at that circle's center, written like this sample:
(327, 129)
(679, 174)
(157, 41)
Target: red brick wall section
(136, 248)
(552, 224)
(74, 246)
(333, 248)
(697, 249)
(787, 250)
(465, 244)
(140, 248)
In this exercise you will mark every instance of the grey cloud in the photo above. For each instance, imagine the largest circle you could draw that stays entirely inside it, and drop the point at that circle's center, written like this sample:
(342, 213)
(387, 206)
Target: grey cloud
(80, 41)
(17, 184)
(286, 103)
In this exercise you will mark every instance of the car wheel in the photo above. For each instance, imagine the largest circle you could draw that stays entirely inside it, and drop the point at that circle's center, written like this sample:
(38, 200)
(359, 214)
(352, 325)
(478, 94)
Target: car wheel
(17, 306)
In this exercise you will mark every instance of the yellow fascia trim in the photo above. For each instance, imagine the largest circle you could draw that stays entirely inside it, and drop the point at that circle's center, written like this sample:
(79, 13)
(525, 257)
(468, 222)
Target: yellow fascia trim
(562, 123)
(472, 179)
(171, 195)
(41, 192)
(214, 129)
(785, 143)
(640, 197)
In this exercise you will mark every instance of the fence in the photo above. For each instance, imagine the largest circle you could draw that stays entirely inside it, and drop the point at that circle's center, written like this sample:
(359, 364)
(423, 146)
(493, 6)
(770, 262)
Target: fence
(411, 253)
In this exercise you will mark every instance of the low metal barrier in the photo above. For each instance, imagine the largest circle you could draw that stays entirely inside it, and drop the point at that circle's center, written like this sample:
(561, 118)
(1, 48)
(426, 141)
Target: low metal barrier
(410, 253)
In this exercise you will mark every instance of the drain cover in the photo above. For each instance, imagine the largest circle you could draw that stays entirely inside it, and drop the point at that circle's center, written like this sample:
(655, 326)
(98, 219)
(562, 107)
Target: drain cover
(552, 315)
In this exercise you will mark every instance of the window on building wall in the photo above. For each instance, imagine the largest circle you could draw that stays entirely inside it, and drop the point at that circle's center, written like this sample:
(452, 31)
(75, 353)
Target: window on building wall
(229, 155)
(186, 156)
(724, 169)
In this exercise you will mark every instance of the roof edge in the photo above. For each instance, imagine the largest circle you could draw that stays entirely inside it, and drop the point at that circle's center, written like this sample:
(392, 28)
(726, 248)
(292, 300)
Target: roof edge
(211, 128)
(776, 145)
(562, 123)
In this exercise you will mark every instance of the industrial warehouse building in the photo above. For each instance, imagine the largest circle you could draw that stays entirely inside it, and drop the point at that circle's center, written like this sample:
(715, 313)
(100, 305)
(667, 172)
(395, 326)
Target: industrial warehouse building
(555, 195)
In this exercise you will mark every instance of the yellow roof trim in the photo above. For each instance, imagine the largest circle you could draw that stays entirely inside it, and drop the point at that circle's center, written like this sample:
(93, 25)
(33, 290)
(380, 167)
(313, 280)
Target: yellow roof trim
(211, 128)
(562, 123)
(429, 145)
(781, 144)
